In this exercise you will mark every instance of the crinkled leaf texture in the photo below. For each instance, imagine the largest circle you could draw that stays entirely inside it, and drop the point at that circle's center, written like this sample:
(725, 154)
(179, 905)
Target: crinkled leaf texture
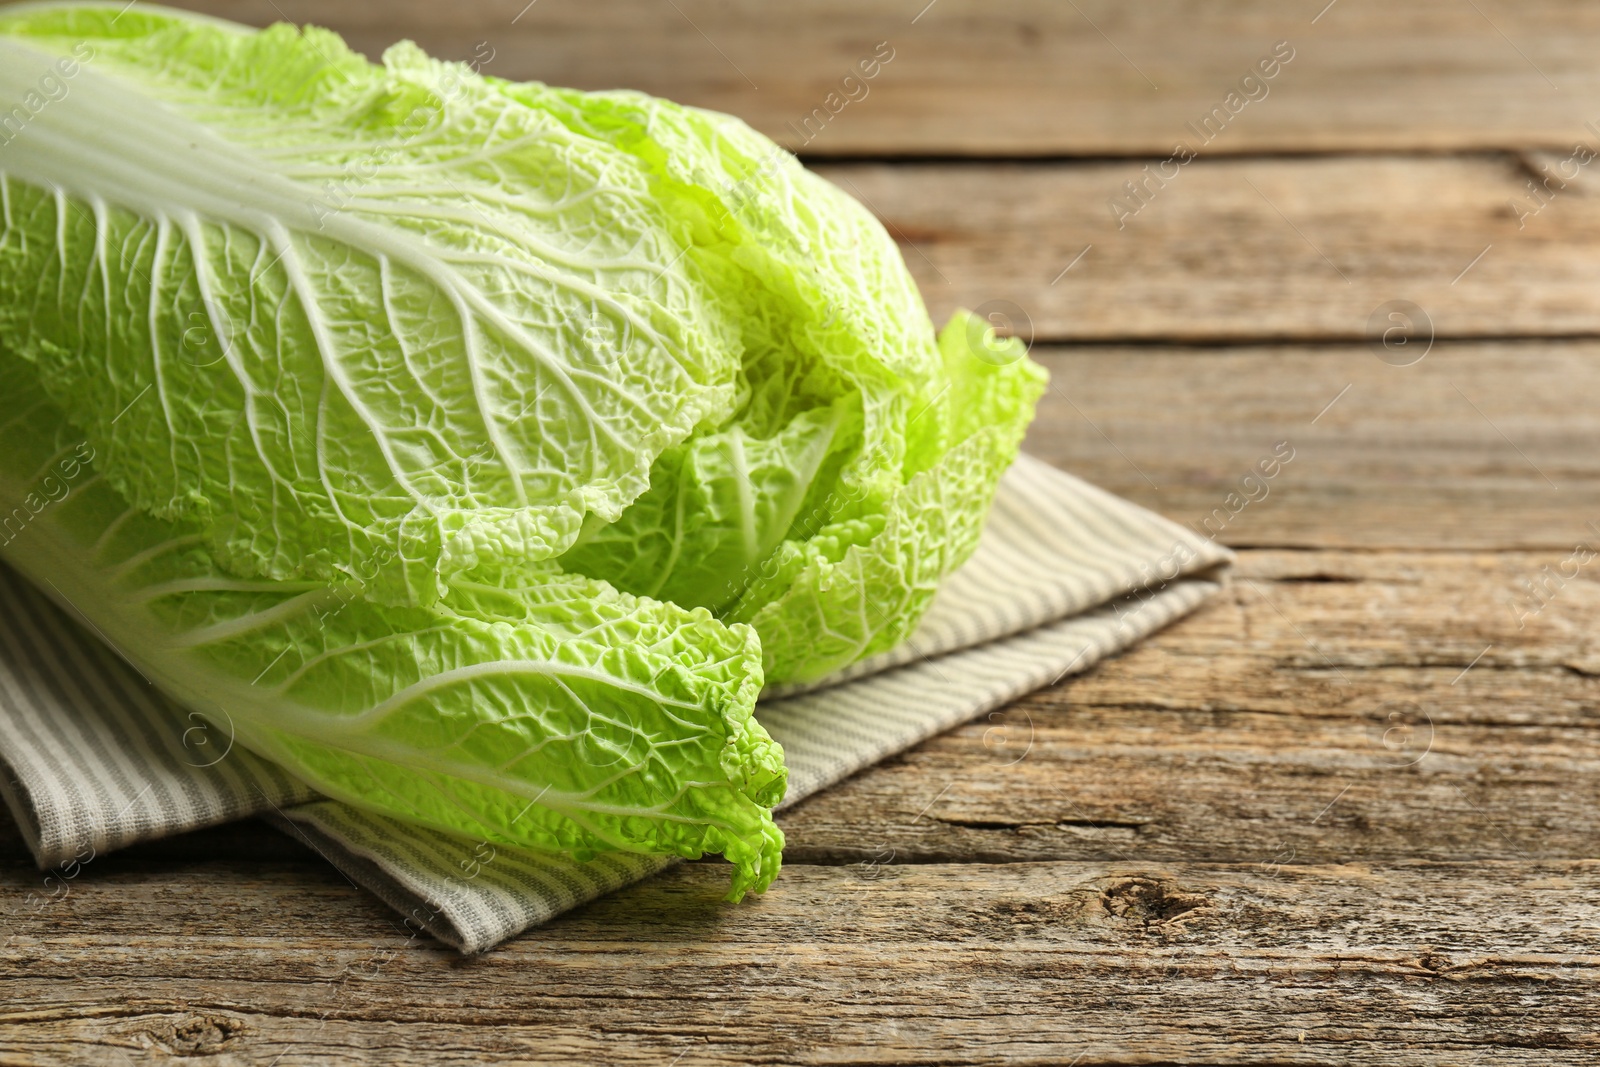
(547, 711)
(877, 450)
(477, 449)
(345, 316)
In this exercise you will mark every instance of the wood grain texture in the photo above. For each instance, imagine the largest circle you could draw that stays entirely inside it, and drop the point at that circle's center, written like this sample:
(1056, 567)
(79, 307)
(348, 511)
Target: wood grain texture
(1333, 708)
(1038, 77)
(1477, 446)
(966, 963)
(1248, 249)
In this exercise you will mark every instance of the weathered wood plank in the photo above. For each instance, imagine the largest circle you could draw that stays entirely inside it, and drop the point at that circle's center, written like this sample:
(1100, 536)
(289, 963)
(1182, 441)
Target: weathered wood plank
(1323, 712)
(1037, 77)
(961, 964)
(1478, 446)
(1249, 249)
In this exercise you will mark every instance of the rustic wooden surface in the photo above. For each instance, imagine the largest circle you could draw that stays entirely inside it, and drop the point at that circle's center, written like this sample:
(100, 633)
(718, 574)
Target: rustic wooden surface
(1347, 813)
(1040, 77)
(1248, 249)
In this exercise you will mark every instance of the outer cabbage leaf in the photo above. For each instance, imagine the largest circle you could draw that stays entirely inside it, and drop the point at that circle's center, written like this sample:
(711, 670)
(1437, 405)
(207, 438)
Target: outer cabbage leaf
(547, 712)
(833, 310)
(836, 319)
(900, 499)
(339, 312)
(857, 585)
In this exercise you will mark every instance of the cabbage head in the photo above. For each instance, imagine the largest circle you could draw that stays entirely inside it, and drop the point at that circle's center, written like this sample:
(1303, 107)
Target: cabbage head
(476, 450)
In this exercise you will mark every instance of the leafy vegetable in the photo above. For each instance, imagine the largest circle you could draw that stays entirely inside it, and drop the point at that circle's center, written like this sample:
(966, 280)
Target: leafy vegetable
(476, 449)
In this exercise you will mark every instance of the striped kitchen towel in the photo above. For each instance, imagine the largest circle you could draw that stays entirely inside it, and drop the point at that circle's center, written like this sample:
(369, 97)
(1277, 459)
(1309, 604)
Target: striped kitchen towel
(92, 758)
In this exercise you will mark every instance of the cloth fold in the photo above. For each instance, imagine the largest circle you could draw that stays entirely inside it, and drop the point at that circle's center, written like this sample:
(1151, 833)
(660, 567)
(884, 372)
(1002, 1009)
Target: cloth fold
(93, 758)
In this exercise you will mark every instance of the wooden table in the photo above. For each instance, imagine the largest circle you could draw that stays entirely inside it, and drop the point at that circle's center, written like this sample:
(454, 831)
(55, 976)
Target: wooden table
(1347, 813)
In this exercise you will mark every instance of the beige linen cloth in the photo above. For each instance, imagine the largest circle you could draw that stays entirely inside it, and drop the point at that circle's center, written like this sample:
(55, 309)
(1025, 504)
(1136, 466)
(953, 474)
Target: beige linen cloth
(92, 758)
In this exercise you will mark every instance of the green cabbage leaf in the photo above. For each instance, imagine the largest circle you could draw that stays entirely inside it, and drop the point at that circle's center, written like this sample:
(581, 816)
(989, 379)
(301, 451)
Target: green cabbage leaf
(476, 450)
